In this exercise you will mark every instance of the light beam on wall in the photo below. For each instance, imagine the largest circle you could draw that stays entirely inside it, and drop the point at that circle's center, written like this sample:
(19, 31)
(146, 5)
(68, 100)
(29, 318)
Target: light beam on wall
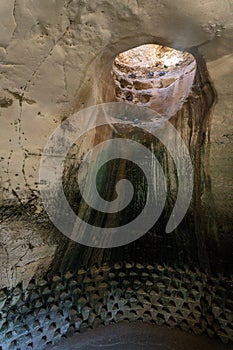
(155, 76)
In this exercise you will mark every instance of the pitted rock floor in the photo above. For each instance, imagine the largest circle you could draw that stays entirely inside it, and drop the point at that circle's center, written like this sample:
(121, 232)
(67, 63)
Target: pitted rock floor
(138, 336)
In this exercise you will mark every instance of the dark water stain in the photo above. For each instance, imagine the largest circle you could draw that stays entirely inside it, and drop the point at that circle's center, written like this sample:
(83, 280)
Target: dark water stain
(196, 242)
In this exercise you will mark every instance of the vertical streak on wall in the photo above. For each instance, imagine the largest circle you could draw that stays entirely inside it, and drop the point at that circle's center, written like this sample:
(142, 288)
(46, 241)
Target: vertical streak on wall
(193, 123)
(197, 110)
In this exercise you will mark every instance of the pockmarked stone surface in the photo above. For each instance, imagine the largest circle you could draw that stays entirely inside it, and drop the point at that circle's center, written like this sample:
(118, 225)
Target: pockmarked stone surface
(56, 58)
(99, 295)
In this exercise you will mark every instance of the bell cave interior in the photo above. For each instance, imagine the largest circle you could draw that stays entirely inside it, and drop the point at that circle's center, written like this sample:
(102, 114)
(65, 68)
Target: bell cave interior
(116, 198)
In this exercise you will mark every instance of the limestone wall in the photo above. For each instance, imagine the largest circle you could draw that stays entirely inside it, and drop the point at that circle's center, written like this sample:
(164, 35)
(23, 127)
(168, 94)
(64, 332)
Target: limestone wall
(56, 58)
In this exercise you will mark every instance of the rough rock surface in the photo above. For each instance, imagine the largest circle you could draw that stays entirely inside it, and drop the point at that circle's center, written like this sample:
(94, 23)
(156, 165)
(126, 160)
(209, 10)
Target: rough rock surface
(24, 253)
(102, 295)
(56, 57)
(149, 76)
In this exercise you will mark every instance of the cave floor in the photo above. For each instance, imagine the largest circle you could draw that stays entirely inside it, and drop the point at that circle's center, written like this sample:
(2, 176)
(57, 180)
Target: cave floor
(137, 336)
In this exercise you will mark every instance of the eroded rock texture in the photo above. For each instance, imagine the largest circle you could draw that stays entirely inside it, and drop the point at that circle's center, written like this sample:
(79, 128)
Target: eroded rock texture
(55, 59)
(154, 76)
(96, 296)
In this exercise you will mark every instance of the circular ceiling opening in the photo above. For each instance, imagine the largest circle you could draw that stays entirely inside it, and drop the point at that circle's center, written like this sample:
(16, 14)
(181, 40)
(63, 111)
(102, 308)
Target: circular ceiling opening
(155, 76)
